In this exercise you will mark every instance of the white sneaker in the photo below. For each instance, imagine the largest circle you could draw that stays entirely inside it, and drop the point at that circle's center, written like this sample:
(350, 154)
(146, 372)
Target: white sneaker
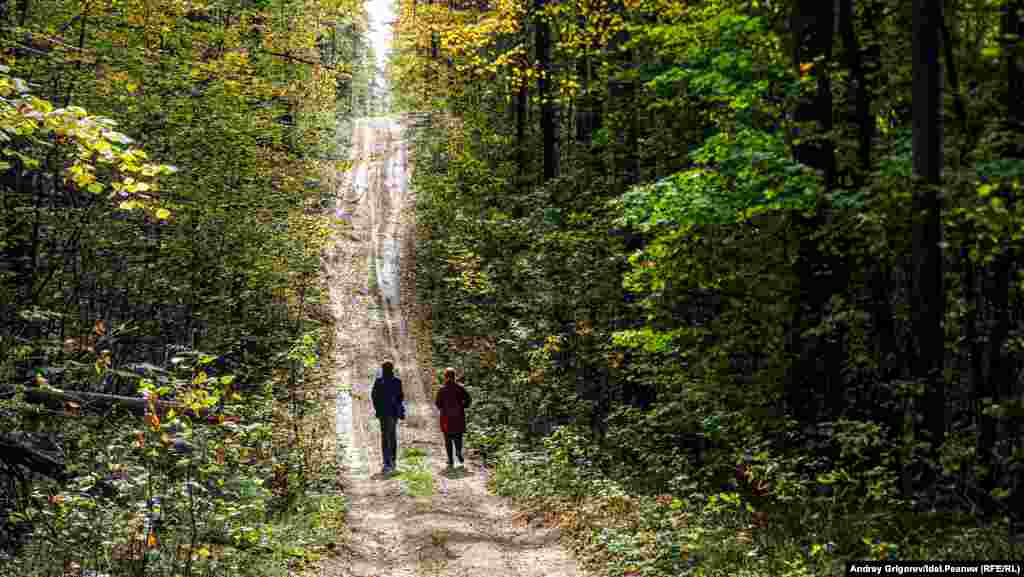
(459, 464)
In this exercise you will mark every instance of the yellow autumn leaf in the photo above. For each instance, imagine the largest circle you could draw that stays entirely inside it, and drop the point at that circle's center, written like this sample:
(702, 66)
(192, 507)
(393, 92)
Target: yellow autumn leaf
(163, 213)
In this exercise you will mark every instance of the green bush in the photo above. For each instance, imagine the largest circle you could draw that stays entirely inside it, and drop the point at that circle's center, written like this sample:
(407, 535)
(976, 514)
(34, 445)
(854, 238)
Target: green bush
(491, 440)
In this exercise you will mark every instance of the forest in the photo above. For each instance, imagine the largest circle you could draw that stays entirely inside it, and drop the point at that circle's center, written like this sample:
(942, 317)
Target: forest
(161, 316)
(735, 284)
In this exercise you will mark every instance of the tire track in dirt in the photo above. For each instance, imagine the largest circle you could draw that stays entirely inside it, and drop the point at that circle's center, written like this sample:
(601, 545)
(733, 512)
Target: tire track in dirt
(459, 530)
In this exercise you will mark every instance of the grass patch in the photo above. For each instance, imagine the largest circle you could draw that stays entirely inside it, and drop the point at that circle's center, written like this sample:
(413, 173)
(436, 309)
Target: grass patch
(329, 515)
(422, 505)
(434, 558)
(439, 537)
(430, 567)
(413, 452)
(417, 481)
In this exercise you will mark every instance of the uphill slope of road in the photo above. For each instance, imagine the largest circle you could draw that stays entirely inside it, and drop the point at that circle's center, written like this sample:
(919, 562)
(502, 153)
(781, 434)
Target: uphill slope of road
(425, 521)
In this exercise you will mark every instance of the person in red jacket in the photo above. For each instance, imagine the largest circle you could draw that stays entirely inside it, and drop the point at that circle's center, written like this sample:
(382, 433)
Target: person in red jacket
(452, 400)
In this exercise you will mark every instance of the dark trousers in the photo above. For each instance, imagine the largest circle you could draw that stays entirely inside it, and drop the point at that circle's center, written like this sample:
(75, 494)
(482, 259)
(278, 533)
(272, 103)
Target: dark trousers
(453, 440)
(389, 440)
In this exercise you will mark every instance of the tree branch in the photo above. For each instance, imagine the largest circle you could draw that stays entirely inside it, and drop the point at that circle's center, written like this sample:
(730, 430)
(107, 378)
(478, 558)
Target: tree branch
(289, 56)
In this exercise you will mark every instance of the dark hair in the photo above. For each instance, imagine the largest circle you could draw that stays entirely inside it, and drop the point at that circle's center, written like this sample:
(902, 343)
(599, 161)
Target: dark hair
(388, 369)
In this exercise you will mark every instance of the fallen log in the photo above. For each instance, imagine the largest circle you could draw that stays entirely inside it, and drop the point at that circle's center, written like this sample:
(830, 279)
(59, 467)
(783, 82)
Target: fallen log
(93, 402)
(72, 403)
(15, 450)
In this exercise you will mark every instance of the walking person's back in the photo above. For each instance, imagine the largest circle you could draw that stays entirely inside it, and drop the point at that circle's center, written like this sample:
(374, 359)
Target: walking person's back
(387, 403)
(452, 400)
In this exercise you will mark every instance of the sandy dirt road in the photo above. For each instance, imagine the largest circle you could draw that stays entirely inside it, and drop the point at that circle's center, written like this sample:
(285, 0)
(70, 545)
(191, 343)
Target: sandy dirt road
(457, 529)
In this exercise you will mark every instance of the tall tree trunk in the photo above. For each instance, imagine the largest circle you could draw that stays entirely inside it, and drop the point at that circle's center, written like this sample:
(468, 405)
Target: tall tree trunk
(589, 119)
(928, 296)
(622, 89)
(813, 28)
(1013, 30)
(859, 90)
(588, 114)
(548, 109)
(999, 370)
(954, 82)
(632, 160)
(434, 41)
(973, 280)
(522, 160)
(887, 341)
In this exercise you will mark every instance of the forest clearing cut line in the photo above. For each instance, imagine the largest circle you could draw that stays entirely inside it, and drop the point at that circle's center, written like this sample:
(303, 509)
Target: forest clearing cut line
(426, 520)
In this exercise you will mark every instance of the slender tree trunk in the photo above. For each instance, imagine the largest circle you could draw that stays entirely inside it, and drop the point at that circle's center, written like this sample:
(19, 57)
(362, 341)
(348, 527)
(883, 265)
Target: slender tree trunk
(1013, 31)
(928, 296)
(548, 108)
(813, 28)
(78, 65)
(995, 369)
(632, 168)
(1013, 27)
(973, 281)
(622, 89)
(954, 82)
(859, 90)
(588, 112)
(434, 41)
(36, 228)
(522, 160)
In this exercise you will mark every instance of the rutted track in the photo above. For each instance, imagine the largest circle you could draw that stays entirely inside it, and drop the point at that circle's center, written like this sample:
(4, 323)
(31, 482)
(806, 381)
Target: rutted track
(460, 529)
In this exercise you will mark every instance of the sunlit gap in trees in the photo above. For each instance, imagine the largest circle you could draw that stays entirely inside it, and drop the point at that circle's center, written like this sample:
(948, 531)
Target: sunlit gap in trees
(381, 16)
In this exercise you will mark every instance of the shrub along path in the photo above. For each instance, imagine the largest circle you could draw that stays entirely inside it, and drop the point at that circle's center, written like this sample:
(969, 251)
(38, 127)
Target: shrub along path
(422, 521)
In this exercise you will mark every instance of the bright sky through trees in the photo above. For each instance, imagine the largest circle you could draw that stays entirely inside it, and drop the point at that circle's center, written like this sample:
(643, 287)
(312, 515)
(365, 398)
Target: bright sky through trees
(381, 14)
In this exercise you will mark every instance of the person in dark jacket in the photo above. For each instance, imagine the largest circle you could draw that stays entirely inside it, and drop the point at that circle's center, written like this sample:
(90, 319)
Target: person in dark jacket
(387, 403)
(452, 400)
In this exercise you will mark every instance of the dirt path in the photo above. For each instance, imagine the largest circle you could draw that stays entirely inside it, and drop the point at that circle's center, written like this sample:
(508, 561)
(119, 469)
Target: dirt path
(425, 521)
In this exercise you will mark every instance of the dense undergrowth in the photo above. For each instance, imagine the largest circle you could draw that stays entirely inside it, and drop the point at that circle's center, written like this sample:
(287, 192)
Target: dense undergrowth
(681, 243)
(177, 495)
(164, 398)
(225, 482)
(696, 528)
